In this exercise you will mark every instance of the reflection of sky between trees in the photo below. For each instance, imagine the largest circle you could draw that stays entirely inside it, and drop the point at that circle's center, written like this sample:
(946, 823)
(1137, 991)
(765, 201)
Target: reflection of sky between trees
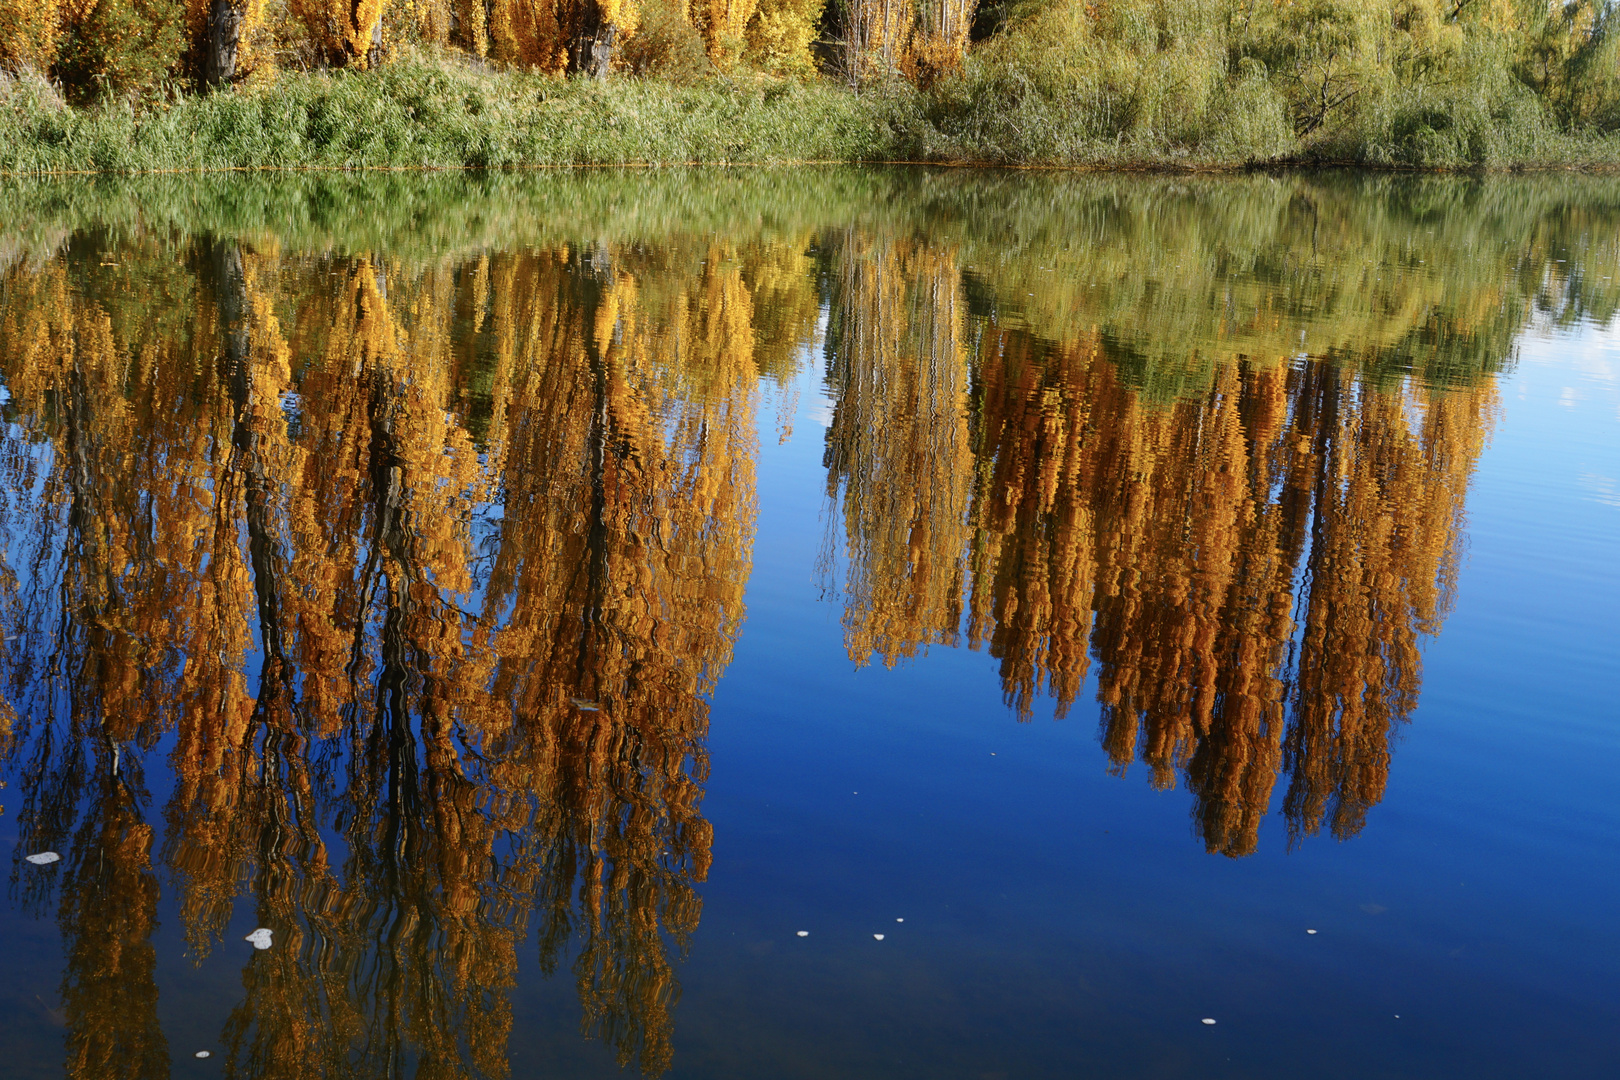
(485, 515)
(1030, 399)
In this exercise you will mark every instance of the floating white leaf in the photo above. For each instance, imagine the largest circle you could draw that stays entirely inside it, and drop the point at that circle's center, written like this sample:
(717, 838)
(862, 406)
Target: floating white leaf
(804, 933)
(44, 858)
(260, 938)
(1207, 1020)
(878, 937)
(203, 1053)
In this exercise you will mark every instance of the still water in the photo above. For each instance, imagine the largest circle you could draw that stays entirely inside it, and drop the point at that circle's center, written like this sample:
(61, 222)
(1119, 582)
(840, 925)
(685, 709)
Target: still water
(811, 624)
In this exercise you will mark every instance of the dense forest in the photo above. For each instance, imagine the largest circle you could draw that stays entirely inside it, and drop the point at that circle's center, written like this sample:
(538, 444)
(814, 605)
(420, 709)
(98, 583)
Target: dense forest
(1439, 83)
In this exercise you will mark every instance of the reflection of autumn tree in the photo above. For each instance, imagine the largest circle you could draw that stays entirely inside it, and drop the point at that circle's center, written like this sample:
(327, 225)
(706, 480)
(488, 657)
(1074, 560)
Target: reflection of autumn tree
(108, 592)
(108, 914)
(1169, 539)
(104, 581)
(482, 660)
(898, 444)
(636, 475)
(1390, 472)
(1032, 559)
(1194, 597)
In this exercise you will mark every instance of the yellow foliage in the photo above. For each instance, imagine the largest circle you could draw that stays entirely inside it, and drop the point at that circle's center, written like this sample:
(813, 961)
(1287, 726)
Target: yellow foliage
(345, 32)
(543, 34)
(723, 25)
(920, 39)
(28, 33)
(779, 36)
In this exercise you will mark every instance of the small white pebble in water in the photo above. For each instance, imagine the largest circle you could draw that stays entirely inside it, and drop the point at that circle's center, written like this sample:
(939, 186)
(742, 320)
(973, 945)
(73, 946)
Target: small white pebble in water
(44, 858)
(260, 938)
(1397, 1016)
(804, 933)
(878, 937)
(899, 920)
(1207, 1020)
(1310, 931)
(202, 1053)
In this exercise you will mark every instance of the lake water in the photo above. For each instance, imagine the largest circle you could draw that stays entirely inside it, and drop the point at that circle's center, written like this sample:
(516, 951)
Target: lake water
(814, 623)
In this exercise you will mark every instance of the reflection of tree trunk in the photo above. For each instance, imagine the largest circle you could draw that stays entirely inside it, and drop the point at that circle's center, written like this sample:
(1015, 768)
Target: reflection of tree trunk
(230, 294)
(591, 572)
(1310, 732)
(391, 745)
(392, 556)
(86, 601)
(224, 36)
(596, 553)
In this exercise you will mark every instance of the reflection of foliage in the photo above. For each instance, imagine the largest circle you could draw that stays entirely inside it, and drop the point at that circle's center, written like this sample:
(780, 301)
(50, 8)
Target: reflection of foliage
(1179, 275)
(425, 565)
(357, 620)
(898, 444)
(1172, 537)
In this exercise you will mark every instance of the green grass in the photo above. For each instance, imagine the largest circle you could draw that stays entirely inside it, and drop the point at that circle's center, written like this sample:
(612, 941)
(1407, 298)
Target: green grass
(445, 113)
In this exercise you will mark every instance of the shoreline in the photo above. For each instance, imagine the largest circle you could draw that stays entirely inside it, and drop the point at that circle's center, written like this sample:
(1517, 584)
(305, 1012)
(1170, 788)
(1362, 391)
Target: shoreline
(1280, 168)
(437, 116)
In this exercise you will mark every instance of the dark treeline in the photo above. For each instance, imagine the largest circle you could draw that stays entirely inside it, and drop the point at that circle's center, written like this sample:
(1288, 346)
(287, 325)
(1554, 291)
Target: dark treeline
(1446, 83)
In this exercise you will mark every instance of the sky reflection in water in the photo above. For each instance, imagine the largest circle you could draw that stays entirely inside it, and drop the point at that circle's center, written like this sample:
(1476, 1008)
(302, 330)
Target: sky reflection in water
(537, 600)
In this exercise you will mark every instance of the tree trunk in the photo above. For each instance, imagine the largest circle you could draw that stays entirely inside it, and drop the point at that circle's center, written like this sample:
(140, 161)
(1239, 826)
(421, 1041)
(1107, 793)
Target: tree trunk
(224, 35)
(602, 51)
(592, 51)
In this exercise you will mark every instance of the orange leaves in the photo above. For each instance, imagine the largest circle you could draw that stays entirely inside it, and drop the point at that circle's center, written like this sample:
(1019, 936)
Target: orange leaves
(28, 33)
(921, 39)
(345, 32)
(547, 33)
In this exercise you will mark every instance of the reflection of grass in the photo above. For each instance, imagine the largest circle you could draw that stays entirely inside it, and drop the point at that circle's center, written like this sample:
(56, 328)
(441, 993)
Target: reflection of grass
(1399, 275)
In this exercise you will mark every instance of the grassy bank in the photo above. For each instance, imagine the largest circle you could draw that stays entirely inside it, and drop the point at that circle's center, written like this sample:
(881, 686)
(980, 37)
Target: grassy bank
(1177, 84)
(445, 113)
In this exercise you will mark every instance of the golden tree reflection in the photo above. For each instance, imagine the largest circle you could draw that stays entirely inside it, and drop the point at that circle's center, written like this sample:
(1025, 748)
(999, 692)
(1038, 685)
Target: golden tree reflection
(427, 690)
(421, 570)
(1251, 569)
